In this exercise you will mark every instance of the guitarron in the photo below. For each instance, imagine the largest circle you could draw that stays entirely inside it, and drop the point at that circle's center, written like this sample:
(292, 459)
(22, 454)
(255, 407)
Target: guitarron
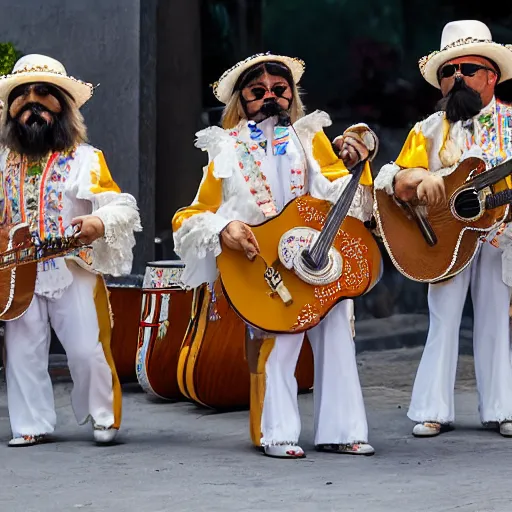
(434, 244)
(214, 369)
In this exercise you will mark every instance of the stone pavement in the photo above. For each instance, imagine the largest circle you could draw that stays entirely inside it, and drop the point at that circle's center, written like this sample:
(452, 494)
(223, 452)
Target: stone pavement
(177, 457)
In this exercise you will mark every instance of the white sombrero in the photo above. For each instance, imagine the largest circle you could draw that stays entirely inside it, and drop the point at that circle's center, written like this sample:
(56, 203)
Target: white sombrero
(466, 37)
(39, 68)
(223, 88)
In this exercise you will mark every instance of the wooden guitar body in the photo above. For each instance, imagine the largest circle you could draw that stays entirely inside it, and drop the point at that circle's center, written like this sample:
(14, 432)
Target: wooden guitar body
(250, 295)
(213, 370)
(16, 284)
(164, 318)
(20, 253)
(457, 240)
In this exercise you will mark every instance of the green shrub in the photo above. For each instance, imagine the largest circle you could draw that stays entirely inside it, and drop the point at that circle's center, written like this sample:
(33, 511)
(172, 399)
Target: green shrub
(8, 57)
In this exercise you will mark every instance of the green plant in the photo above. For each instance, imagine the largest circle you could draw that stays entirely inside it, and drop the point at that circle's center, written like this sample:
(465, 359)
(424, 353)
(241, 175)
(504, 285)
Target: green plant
(8, 57)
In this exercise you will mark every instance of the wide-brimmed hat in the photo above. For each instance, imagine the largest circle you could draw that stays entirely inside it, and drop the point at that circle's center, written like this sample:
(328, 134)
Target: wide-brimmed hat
(464, 38)
(40, 68)
(223, 88)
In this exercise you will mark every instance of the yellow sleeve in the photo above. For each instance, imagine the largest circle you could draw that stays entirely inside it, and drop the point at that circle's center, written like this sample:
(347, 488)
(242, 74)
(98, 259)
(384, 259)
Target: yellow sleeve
(208, 199)
(414, 152)
(101, 179)
(332, 166)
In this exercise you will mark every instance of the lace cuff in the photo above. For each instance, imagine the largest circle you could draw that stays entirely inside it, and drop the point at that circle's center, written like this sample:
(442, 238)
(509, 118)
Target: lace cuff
(197, 243)
(113, 253)
(384, 180)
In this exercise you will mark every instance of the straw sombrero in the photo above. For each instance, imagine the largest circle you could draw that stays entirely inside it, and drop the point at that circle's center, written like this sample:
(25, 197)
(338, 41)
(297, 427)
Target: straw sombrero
(223, 88)
(464, 38)
(39, 68)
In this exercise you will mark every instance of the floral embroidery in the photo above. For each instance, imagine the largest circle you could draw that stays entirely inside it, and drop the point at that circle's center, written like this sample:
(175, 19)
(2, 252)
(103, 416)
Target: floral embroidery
(495, 137)
(250, 157)
(36, 197)
(255, 179)
(495, 134)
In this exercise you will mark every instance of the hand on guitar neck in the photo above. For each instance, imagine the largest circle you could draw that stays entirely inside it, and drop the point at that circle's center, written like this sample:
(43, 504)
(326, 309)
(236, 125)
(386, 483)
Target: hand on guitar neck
(239, 236)
(90, 228)
(351, 148)
(420, 186)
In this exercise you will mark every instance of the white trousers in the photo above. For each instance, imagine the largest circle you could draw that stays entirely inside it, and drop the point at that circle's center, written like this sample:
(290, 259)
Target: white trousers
(27, 341)
(433, 392)
(340, 416)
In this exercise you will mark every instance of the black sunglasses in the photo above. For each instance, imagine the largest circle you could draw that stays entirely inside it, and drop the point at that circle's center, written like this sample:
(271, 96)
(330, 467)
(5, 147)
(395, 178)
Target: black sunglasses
(40, 89)
(259, 91)
(466, 69)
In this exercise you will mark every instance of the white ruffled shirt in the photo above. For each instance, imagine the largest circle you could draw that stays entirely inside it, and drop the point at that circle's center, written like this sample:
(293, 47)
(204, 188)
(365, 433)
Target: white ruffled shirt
(81, 194)
(197, 241)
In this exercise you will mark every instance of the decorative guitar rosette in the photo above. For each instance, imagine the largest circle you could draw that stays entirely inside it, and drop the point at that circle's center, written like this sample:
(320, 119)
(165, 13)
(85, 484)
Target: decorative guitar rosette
(290, 247)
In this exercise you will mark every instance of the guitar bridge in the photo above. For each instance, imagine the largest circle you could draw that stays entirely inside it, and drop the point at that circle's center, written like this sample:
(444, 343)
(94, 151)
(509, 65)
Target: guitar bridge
(275, 282)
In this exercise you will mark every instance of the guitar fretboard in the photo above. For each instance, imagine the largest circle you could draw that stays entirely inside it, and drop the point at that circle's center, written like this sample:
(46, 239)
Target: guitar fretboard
(37, 250)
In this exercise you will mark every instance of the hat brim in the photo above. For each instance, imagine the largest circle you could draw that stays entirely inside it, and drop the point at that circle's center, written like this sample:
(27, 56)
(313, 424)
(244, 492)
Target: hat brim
(500, 54)
(223, 88)
(80, 91)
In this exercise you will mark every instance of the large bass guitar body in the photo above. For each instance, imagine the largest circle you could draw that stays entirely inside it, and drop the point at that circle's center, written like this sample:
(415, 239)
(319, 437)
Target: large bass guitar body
(213, 369)
(434, 244)
(125, 304)
(164, 318)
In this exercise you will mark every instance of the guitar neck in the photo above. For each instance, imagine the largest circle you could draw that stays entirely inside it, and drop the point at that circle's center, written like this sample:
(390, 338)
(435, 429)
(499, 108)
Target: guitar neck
(319, 250)
(499, 199)
(31, 253)
(492, 176)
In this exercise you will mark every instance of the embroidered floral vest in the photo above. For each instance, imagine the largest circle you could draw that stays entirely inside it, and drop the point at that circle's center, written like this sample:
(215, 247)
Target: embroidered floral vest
(494, 135)
(35, 195)
(250, 154)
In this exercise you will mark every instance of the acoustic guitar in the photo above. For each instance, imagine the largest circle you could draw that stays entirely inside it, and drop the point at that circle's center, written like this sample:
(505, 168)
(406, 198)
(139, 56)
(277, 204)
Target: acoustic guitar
(19, 254)
(311, 257)
(435, 243)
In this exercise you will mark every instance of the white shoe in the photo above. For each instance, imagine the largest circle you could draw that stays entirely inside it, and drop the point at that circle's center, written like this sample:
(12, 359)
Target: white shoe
(506, 428)
(426, 429)
(350, 449)
(104, 435)
(18, 442)
(284, 451)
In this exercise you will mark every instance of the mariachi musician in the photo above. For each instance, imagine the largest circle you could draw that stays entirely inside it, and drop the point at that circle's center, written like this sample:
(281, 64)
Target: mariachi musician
(470, 122)
(255, 168)
(53, 180)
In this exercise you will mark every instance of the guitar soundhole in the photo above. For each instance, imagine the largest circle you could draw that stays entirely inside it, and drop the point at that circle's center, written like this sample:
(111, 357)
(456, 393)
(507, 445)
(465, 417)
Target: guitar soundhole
(467, 204)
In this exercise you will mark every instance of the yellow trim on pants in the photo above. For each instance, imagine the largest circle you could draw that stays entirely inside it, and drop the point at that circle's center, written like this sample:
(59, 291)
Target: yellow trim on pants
(102, 304)
(258, 388)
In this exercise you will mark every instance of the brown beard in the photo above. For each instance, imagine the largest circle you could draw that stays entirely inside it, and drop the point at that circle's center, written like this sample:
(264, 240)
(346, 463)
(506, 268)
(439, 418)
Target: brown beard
(37, 137)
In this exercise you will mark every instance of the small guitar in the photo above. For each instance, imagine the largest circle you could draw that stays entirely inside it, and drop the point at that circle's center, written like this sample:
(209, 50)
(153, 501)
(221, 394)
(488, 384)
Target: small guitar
(434, 244)
(19, 254)
(311, 257)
